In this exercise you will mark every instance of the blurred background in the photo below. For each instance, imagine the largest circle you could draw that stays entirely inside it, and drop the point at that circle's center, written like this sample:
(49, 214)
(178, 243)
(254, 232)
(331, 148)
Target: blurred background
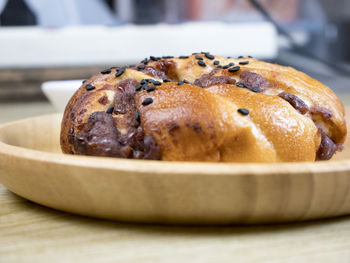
(59, 40)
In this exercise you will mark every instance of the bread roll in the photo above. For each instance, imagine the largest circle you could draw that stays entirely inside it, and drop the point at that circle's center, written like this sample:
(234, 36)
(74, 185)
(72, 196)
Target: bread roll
(204, 108)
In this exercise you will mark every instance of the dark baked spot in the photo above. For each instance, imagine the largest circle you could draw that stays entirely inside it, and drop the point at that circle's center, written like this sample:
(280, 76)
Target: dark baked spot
(295, 101)
(103, 100)
(82, 111)
(80, 126)
(197, 127)
(72, 116)
(151, 150)
(209, 79)
(71, 135)
(251, 80)
(327, 147)
(173, 126)
(325, 113)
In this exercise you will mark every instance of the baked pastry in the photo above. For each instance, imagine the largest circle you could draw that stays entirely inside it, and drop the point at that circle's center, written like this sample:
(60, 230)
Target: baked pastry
(204, 108)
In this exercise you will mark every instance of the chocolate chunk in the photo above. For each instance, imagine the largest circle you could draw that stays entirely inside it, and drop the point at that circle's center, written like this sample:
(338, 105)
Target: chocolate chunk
(324, 112)
(124, 99)
(209, 79)
(154, 72)
(327, 147)
(99, 137)
(295, 101)
(252, 80)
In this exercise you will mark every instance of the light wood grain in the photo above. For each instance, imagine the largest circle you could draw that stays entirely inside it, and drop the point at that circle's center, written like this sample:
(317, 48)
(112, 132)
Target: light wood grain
(167, 192)
(33, 233)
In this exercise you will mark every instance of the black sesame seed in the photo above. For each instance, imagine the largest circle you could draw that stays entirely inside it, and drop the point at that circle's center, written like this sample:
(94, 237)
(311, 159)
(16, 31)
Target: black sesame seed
(231, 64)
(202, 52)
(113, 67)
(255, 89)
(234, 69)
(144, 61)
(166, 80)
(166, 57)
(186, 81)
(141, 67)
(243, 111)
(143, 81)
(145, 86)
(244, 62)
(240, 57)
(147, 101)
(209, 56)
(180, 83)
(219, 66)
(138, 87)
(198, 57)
(183, 57)
(153, 58)
(150, 80)
(132, 66)
(157, 83)
(201, 63)
(89, 87)
(137, 116)
(120, 72)
(240, 85)
(216, 62)
(226, 66)
(106, 71)
(110, 110)
(84, 81)
(250, 57)
(194, 53)
(151, 88)
(229, 57)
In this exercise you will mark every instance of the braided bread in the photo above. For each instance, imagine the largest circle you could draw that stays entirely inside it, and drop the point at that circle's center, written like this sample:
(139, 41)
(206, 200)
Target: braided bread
(204, 108)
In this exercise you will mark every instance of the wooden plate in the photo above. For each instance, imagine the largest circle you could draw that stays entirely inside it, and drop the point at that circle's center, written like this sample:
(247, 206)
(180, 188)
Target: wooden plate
(33, 167)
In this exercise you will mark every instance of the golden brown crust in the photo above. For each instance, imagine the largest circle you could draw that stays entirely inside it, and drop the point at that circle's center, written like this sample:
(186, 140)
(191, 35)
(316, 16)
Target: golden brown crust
(289, 112)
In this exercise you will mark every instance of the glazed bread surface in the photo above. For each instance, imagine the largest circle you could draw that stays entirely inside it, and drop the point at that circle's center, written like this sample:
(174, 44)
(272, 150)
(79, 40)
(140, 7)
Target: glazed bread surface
(204, 108)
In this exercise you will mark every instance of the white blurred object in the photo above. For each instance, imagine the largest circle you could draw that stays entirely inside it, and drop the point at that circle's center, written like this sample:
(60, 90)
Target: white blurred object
(58, 13)
(99, 45)
(59, 92)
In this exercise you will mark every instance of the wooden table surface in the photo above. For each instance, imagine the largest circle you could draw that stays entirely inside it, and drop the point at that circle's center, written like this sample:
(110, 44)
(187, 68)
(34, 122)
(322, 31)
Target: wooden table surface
(32, 233)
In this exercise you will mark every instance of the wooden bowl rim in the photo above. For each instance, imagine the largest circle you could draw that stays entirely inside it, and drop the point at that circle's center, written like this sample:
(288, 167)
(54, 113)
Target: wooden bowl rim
(166, 167)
